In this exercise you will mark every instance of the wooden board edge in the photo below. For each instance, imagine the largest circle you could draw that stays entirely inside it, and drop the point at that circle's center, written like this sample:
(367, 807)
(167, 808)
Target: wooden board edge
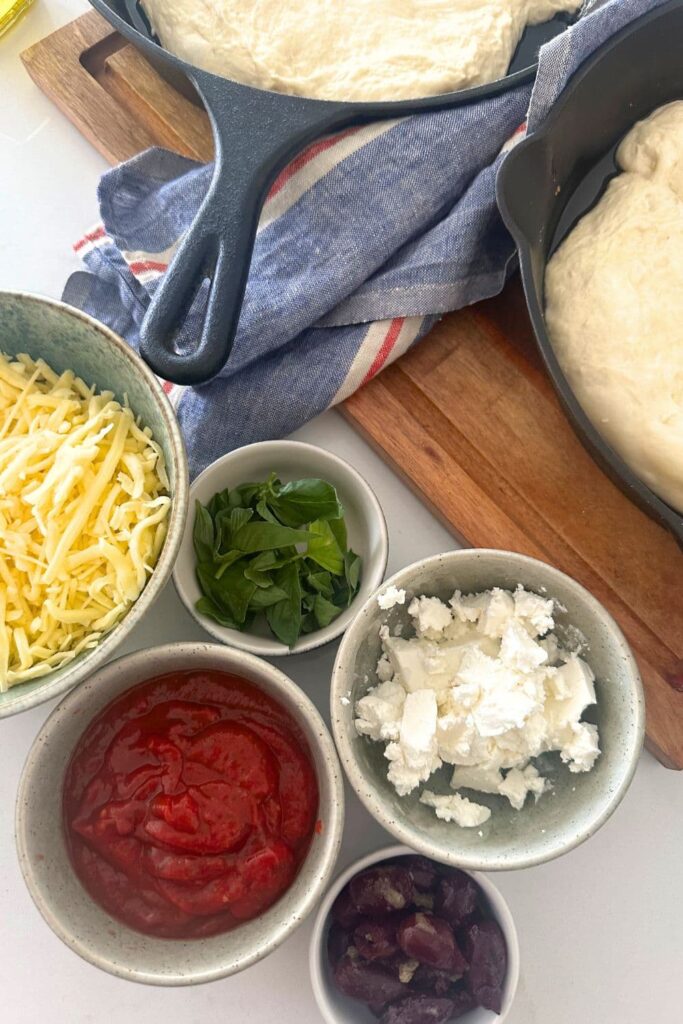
(62, 50)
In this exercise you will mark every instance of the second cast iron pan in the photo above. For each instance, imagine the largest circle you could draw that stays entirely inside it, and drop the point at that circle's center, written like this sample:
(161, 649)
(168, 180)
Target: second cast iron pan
(256, 134)
(549, 181)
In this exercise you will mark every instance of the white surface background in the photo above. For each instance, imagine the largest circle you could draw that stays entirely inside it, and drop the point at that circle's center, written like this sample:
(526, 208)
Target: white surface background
(601, 930)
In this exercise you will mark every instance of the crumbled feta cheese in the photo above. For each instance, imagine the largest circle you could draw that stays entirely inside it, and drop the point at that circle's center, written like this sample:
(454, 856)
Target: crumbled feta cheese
(385, 669)
(496, 614)
(551, 646)
(404, 777)
(484, 688)
(496, 696)
(580, 747)
(571, 691)
(456, 808)
(520, 782)
(462, 632)
(431, 616)
(421, 664)
(519, 650)
(380, 711)
(390, 597)
(418, 727)
(536, 612)
(468, 607)
(483, 779)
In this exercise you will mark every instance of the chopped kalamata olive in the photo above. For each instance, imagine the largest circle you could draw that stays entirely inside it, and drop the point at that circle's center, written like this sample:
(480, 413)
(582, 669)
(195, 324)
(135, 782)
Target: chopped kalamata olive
(344, 911)
(422, 872)
(419, 1009)
(456, 898)
(463, 1002)
(370, 982)
(401, 938)
(434, 981)
(338, 941)
(431, 941)
(487, 953)
(376, 939)
(381, 890)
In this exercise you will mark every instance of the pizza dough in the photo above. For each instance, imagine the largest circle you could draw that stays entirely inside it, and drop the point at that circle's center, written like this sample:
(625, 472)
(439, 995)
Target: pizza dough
(614, 305)
(350, 49)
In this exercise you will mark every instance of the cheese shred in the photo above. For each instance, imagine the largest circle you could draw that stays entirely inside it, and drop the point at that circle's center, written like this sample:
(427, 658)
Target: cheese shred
(84, 506)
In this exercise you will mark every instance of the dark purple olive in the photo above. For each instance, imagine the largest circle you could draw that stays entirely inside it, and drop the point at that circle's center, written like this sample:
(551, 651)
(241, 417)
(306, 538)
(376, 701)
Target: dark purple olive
(338, 941)
(381, 890)
(422, 872)
(372, 983)
(463, 1002)
(344, 911)
(456, 898)
(375, 940)
(433, 981)
(431, 941)
(462, 933)
(487, 953)
(419, 1009)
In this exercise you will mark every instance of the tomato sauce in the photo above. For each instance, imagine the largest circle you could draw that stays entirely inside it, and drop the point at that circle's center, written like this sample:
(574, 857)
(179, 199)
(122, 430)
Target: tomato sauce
(190, 804)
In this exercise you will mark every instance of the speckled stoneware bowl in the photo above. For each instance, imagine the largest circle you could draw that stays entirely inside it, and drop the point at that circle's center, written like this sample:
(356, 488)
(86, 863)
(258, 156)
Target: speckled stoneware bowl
(336, 1008)
(291, 460)
(578, 804)
(73, 915)
(68, 339)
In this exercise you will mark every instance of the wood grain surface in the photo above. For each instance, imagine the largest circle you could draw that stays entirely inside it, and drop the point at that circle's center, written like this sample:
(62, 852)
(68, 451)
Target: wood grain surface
(112, 95)
(468, 417)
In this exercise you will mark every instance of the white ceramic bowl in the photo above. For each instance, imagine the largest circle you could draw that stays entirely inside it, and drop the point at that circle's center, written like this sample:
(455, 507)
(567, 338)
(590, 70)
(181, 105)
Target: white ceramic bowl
(71, 912)
(578, 804)
(336, 1008)
(291, 460)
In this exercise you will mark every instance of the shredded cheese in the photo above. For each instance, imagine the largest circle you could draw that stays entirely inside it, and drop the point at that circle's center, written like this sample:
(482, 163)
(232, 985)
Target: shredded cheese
(84, 505)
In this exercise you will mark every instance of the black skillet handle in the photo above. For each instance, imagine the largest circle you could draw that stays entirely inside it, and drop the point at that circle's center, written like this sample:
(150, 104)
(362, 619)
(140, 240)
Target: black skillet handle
(256, 134)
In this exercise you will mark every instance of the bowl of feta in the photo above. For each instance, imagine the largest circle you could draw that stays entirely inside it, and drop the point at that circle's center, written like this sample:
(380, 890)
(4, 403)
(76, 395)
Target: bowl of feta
(487, 709)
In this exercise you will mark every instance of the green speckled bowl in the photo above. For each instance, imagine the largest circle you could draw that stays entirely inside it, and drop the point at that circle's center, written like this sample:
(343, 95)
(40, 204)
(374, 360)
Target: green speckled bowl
(68, 339)
(578, 804)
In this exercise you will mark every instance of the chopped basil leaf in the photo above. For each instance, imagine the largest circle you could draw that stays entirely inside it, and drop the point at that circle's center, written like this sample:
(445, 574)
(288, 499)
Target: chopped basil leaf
(275, 550)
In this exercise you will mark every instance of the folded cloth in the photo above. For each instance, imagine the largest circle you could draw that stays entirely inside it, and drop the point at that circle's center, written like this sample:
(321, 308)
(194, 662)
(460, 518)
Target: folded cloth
(364, 241)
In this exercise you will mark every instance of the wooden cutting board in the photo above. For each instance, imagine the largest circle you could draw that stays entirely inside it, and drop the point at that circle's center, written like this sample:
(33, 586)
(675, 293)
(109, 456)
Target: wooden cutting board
(468, 417)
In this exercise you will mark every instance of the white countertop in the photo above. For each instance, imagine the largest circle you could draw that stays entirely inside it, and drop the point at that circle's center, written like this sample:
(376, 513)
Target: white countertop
(601, 929)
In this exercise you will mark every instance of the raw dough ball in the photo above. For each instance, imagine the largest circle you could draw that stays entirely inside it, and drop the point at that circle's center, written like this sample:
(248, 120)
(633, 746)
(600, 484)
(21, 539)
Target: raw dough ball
(614, 295)
(350, 49)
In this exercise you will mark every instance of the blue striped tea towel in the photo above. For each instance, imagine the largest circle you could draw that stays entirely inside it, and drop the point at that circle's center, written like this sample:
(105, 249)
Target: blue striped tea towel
(364, 241)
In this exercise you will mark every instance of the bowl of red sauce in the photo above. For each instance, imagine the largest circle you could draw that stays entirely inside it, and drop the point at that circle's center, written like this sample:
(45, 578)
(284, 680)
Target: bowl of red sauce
(180, 814)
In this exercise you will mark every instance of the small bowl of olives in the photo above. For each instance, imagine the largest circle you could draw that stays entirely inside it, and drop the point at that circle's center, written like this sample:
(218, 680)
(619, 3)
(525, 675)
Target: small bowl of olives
(402, 939)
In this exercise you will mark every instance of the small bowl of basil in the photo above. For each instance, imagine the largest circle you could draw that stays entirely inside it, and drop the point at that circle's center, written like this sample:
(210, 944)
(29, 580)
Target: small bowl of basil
(284, 543)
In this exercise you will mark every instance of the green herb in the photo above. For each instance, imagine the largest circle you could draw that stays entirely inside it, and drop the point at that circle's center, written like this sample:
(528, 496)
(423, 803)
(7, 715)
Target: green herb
(275, 550)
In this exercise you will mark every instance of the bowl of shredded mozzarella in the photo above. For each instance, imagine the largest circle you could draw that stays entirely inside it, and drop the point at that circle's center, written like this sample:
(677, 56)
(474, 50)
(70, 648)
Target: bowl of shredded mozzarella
(93, 496)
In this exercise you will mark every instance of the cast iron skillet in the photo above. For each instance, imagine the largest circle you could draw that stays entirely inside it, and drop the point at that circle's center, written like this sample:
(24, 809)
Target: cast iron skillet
(556, 175)
(256, 134)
